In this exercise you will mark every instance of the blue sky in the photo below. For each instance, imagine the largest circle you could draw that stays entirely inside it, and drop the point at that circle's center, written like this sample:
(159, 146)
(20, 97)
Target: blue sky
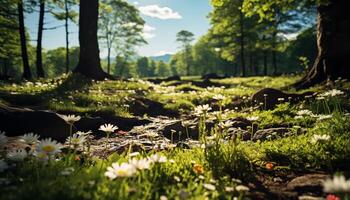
(164, 18)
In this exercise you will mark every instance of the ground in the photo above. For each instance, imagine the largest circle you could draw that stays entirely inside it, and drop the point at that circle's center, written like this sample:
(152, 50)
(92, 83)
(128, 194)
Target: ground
(246, 144)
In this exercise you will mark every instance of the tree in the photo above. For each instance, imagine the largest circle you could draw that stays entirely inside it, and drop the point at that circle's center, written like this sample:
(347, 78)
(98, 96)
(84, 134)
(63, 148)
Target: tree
(142, 66)
(162, 69)
(333, 25)
(185, 38)
(67, 15)
(119, 22)
(39, 61)
(26, 69)
(9, 46)
(89, 58)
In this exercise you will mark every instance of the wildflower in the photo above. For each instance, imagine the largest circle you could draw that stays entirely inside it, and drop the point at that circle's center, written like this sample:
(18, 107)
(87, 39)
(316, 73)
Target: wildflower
(320, 138)
(229, 189)
(76, 140)
(49, 147)
(269, 166)
(3, 165)
(304, 113)
(202, 109)
(122, 170)
(265, 95)
(209, 186)
(323, 117)
(336, 185)
(134, 154)
(30, 138)
(155, 158)
(3, 139)
(81, 133)
(198, 169)
(140, 164)
(219, 97)
(280, 99)
(163, 197)
(177, 179)
(242, 188)
(253, 118)
(332, 197)
(108, 128)
(70, 119)
(225, 125)
(320, 98)
(17, 155)
(332, 93)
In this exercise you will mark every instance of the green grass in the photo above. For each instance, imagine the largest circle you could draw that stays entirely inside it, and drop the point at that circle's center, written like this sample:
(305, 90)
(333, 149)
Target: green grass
(221, 161)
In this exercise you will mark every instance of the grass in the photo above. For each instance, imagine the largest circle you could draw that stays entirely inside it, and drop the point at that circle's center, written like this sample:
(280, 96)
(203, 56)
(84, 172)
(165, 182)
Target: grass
(209, 171)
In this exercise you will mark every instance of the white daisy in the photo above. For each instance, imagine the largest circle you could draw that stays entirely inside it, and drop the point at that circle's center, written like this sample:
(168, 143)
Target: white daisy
(304, 113)
(49, 147)
(76, 140)
(30, 138)
(155, 158)
(202, 109)
(108, 128)
(17, 155)
(209, 186)
(320, 138)
(140, 164)
(336, 185)
(219, 97)
(225, 125)
(81, 133)
(253, 118)
(242, 188)
(120, 170)
(70, 119)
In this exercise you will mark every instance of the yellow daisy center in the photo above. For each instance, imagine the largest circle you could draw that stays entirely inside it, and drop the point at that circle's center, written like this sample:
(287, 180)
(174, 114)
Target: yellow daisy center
(48, 148)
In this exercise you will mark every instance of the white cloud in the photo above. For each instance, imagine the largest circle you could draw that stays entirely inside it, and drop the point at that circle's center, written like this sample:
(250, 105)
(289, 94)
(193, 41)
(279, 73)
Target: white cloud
(136, 3)
(159, 12)
(148, 31)
(162, 53)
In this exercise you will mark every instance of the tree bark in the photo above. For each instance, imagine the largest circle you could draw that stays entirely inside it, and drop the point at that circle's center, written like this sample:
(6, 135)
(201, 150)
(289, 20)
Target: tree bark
(241, 24)
(265, 62)
(109, 60)
(39, 61)
(89, 59)
(67, 34)
(333, 42)
(274, 52)
(26, 69)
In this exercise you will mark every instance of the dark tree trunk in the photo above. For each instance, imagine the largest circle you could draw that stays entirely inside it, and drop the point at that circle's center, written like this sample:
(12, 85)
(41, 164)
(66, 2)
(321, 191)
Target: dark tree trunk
(39, 61)
(109, 60)
(241, 24)
(274, 52)
(333, 30)
(89, 58)
(67, 34)
(265, 62)
(22, 32)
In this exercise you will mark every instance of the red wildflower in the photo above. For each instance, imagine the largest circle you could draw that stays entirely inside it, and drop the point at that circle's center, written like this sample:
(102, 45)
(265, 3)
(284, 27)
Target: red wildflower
(269, 166)
(332, 197)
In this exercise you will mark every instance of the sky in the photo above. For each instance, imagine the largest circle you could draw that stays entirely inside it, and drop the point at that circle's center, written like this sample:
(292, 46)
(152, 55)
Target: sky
(164, 18)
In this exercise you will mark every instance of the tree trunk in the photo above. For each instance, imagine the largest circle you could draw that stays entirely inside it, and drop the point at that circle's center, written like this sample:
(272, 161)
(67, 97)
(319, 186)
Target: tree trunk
(243, 73)
(274, 52)
(39, 61)
(89, 59)
(265, 62)
(109, 60)
(333, 42)
(67, 34)
(26, 69)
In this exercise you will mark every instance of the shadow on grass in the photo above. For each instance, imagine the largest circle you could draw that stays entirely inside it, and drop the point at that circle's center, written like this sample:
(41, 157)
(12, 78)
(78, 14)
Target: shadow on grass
(73, 82)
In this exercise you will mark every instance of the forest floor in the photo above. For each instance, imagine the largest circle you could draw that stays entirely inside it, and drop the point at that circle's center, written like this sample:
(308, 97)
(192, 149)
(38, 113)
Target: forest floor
(231, 138)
